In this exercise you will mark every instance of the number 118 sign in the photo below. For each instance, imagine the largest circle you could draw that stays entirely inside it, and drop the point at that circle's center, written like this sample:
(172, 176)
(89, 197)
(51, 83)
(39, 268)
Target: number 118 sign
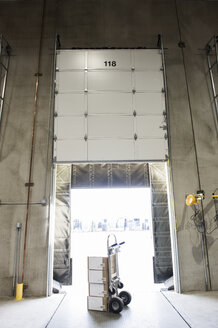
(110, 63)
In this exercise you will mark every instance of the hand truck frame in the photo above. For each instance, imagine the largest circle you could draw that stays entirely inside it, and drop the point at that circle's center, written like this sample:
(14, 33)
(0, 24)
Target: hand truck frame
(117, 300)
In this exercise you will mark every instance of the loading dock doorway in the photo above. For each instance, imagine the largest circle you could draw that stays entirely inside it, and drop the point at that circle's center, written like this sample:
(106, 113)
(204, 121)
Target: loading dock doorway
(110, 130)
(127, 175)
(126, 212)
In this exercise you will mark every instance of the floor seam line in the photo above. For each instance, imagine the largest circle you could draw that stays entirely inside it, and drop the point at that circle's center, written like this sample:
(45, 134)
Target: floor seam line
(48, 323)
(176, 309)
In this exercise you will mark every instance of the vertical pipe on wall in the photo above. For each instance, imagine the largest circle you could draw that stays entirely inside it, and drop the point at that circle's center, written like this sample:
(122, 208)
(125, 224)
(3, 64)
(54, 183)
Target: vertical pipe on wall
(205, 255)
(17, 257)
(51, 234)
(33, 135)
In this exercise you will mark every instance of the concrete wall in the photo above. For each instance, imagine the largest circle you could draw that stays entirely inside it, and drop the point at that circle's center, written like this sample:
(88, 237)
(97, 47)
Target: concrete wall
(98, 23)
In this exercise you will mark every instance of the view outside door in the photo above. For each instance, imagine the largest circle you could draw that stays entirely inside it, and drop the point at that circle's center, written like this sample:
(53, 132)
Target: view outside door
(111, 209)
(125, 212)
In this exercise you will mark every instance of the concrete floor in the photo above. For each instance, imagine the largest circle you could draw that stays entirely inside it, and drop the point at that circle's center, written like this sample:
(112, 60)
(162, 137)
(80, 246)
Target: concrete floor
(199, 309)
(150, 307)
(146, 310)
(31, 312)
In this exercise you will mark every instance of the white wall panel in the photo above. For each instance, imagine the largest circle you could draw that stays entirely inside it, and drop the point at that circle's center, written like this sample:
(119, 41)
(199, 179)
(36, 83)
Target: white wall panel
(149, 81)
(109, 81)
(111, 150)
(148, 60)
(150, 149)
(70, 127)
(149, 126)
(70, 81)
(70, 104)
(149, 103)
(71, 150)
(68, 59)
(110, 103)
(110, 126)
(109, 59)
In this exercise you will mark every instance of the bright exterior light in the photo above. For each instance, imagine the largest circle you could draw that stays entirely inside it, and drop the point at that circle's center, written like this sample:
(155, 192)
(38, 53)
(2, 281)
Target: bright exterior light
(110, 209)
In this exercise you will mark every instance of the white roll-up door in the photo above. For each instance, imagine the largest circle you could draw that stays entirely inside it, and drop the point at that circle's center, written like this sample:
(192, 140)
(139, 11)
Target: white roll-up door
(109, 106)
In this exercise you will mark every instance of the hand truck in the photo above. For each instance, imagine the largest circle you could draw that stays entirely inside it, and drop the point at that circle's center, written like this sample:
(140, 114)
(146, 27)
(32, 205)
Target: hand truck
(116, 300)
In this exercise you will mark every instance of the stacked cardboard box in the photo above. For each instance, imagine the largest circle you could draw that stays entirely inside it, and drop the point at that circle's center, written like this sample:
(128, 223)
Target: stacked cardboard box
(98, 283)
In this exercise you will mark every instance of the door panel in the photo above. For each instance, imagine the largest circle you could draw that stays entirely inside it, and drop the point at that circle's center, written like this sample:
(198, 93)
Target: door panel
(150, 149)
(149, 81)
(111, 150)
(149, 127)
(149, 103)
(110, 103)
(110, 94)
(109, 81)
(70, 104)
(70, 81)
(70, 127)
(147, 60)
(69, 60)
(109, 59)
(110, 126)
(70, 150)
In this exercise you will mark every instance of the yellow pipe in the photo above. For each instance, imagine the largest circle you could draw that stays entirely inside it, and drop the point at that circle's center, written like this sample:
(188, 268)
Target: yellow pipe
(19, 292)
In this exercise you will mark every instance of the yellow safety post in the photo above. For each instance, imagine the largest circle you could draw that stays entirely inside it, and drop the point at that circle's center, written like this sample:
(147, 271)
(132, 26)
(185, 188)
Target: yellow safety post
(19, 292)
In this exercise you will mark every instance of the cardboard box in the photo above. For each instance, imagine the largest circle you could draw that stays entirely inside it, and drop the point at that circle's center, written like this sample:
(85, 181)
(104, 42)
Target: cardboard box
(98, 276)
(98, 290)
(97, 263)
(97, 303)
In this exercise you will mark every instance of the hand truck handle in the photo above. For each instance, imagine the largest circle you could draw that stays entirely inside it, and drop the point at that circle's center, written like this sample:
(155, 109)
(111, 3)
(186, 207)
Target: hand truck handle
(108, 243)
(123, 242)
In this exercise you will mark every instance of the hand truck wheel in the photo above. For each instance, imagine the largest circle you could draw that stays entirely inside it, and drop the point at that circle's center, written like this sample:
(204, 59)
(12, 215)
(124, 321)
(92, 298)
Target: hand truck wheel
(116, 304)
(120, 285)
(126, 297)
(112, 290)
